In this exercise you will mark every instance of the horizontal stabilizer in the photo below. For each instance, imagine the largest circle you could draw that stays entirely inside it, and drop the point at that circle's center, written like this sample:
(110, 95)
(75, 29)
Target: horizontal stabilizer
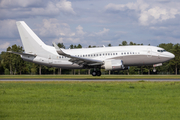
(17, 53)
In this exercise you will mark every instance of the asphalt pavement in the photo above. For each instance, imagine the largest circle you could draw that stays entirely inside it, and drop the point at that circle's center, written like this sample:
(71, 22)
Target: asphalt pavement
(86, 80)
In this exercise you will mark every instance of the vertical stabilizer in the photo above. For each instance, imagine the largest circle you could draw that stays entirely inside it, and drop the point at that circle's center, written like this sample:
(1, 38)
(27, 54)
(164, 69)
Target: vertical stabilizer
(31, 42)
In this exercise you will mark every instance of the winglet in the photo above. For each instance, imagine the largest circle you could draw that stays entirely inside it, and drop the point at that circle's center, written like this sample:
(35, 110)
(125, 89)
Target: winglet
(57, 48)
(59, 51)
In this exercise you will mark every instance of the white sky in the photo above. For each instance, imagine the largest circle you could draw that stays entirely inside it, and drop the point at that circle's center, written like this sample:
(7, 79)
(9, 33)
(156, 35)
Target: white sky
(92, 22)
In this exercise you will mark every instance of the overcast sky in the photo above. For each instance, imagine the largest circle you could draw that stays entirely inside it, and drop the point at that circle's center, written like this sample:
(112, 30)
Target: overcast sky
(92, 22)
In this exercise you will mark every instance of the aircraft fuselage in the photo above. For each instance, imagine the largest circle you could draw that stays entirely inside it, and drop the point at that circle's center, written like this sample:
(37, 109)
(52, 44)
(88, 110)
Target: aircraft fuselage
(130, 55)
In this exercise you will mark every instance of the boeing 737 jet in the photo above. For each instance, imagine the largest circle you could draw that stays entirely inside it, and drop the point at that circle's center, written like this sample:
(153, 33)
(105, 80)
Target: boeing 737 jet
(108, 58)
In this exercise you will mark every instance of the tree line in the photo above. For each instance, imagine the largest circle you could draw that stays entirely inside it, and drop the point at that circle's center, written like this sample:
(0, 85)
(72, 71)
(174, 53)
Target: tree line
(13, 64)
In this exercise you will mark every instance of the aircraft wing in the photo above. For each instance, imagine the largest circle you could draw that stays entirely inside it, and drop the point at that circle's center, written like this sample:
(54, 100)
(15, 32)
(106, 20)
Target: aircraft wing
(78, 60)
(17, 53)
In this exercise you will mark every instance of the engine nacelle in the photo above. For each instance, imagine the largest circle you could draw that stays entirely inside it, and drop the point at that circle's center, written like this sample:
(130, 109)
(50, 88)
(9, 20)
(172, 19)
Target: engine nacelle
(113, 64)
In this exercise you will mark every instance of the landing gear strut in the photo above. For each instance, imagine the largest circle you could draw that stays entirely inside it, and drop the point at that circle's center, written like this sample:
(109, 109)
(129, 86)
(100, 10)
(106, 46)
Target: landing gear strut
(96, 72)
(154, 69)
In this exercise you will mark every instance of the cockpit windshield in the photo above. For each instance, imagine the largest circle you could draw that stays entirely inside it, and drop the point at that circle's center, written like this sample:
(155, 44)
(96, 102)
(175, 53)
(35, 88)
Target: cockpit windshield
(161, 50)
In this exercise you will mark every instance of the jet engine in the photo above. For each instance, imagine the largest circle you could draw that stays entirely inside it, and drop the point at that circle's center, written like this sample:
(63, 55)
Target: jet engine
(113, 64)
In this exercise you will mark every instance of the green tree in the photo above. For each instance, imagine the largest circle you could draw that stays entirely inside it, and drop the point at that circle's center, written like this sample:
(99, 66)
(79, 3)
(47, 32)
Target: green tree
(75, 46)
(124, 42)
(79, 46)
(17, 62)
(1, 66)
(131, 43)
(6, 60)
(109, 45)
(176, 61)
(13, 62)
(34, 68)
(167, 47)
(61, 45)
(71, 46)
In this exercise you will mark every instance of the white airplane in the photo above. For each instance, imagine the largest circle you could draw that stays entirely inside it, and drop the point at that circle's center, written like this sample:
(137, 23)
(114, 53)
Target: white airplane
(108, 58)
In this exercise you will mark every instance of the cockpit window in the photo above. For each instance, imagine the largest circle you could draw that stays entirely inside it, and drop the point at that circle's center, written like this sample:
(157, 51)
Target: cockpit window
(161, 50)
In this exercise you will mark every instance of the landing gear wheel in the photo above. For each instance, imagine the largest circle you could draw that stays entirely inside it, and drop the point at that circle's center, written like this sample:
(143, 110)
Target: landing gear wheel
(98, 73)
(94, 73)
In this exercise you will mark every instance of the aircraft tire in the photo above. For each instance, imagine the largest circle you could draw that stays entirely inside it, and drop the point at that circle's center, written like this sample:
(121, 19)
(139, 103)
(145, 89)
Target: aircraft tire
(94, 73)
(98, 73)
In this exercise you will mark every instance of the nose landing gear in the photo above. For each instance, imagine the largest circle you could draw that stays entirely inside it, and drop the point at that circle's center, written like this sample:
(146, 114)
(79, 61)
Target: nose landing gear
(156, 65)
(154, 69)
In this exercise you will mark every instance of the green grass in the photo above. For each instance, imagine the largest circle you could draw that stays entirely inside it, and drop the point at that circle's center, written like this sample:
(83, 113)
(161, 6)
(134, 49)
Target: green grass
(90, 100)
(90, 77)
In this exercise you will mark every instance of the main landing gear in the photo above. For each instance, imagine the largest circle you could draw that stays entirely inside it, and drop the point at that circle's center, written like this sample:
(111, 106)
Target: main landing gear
(96, 72)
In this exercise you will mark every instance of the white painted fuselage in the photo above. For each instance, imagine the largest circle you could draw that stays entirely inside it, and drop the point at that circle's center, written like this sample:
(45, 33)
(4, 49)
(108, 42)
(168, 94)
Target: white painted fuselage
(130, 55)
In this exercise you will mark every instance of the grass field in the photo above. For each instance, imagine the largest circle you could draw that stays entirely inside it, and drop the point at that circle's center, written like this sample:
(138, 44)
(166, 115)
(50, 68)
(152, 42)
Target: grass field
(90, 100)
(90, 77)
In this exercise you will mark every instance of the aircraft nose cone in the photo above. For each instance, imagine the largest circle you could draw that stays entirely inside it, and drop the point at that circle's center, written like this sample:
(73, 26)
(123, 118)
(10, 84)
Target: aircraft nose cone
(171, 55)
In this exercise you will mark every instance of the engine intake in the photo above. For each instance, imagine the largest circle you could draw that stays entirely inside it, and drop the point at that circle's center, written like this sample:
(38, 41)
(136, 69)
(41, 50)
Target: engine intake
(113, 64)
